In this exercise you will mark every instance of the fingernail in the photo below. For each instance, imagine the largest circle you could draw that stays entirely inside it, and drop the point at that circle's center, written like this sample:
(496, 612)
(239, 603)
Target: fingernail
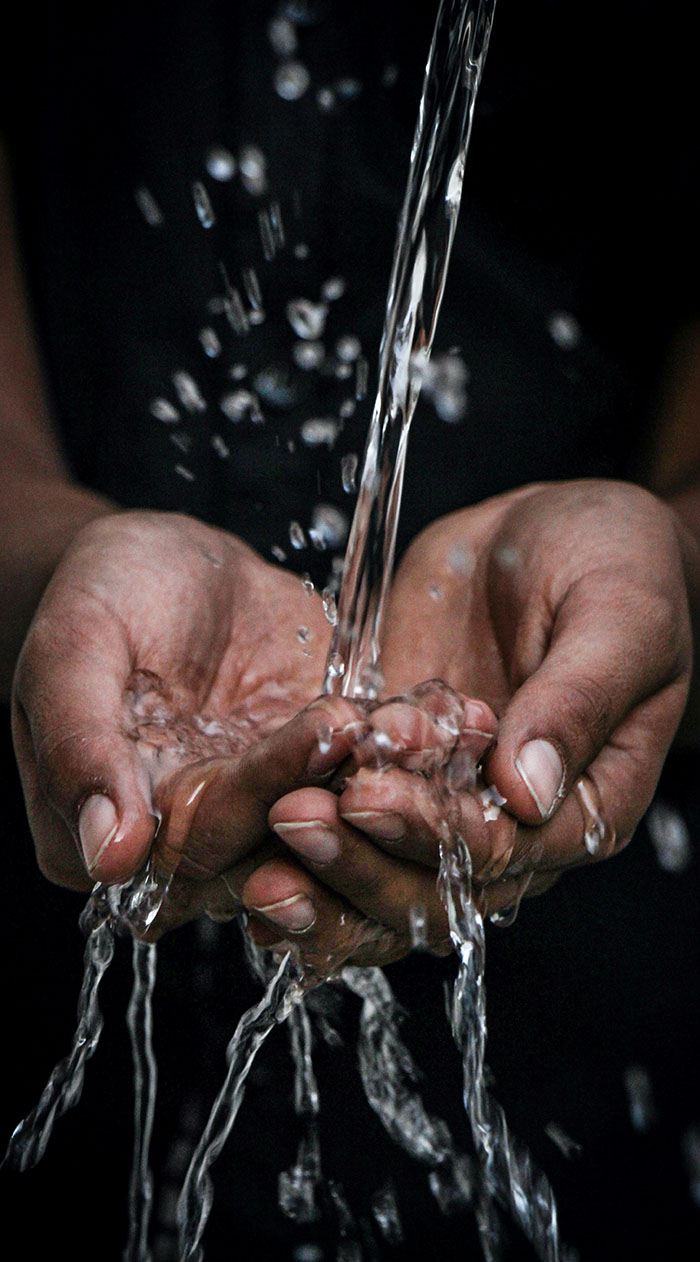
(296, 913)
(382, 824)
(311, 839)
(541, 768)
(97, 826)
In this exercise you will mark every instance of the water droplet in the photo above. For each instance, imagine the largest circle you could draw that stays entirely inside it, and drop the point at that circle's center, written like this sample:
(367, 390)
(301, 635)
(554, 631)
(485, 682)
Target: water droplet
(639, 1097)
(461, 560)
(220, 446)
(297, 538)
(691, 1154)
(303, 635)
(308, 584)
(361, 378)
(444, 383)
(325, 99)
(507, 557)
(164, 411)
(278, 553)
(491, 803)
(325, 738)
(236, 313)
(342, 371)
(203, 206)
(275, 385)
(149, 207)
(308, 319)
(347, 409)
(220, 163)
(182, 472)
(251, 285)
(291, 80)
(565, 330)
(188, 392)
(239, 404)
(253, 167)
(390, 74)
(435, 592)
(329, 606)
(563, 1142)
(182, 441)
(418, 926)
(301, 250)
(329, 527)
(386, 1214)
(238, 371)
(319, 430)
(347, 88)
(348, 472)
(333, 288)
(308, 355)
(282, 36)
(209, 341)
(348, 348)
(336, 666)
(670, 837)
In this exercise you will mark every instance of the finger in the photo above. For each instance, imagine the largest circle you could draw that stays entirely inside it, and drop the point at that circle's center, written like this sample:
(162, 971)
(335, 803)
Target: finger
(323, 930)
(215, 813)
(502, 898)
(612, 646)
(423, 729)
(77, 763)
(383, 888)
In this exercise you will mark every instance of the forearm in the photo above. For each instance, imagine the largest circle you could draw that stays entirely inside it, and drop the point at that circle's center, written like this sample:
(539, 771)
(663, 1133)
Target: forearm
(40, 509)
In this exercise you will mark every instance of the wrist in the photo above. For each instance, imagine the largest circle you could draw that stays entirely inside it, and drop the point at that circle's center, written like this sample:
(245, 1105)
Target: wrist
(42, 514)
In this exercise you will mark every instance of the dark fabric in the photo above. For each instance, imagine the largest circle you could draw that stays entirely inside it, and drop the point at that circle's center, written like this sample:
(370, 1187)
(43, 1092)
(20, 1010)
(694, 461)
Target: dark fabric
(580, 199)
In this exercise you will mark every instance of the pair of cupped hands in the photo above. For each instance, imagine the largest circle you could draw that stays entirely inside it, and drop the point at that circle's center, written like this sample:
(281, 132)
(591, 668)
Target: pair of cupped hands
(166, 704)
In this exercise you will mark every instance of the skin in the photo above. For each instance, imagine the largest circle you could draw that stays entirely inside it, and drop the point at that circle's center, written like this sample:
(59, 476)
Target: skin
(561, 613)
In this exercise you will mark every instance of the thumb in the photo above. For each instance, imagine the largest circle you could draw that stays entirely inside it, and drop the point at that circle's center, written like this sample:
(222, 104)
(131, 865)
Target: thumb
(612, 646)
(86, 790)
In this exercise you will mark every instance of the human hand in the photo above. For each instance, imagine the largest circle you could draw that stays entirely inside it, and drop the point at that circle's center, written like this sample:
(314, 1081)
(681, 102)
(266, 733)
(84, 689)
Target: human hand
(160, 677)
(567, 607)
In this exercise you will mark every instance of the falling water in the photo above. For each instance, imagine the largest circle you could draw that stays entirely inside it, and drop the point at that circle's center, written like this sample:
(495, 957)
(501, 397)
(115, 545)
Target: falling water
(421, 259)
(140, 1025)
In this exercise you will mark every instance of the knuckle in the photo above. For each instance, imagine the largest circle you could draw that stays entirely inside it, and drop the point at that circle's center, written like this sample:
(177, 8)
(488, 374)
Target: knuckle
(587, 705)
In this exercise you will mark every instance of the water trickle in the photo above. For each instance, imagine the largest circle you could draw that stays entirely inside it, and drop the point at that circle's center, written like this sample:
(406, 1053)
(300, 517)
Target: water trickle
(140, 1025)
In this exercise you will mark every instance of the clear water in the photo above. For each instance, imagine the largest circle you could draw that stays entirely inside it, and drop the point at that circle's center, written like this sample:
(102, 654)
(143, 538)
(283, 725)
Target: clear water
(504, 1173)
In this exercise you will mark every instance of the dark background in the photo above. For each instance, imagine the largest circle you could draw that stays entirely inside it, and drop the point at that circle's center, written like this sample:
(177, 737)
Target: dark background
(580, 197)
